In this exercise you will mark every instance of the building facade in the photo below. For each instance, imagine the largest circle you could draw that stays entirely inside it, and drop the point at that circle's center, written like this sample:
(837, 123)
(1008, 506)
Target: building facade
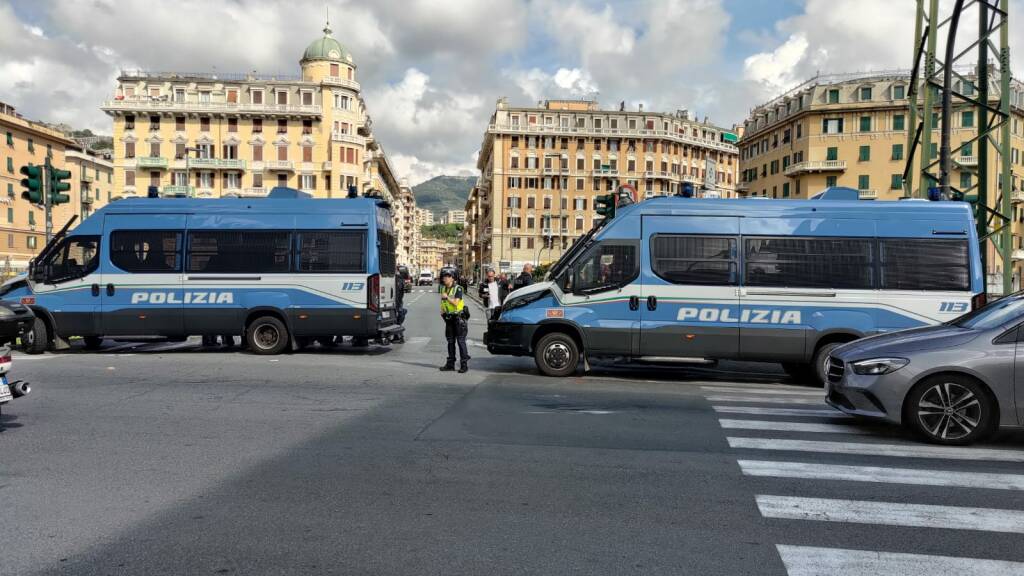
(22, 223)
(92, 180)
(435, 254)
(852, 130)
(454, 217)
(542, 166)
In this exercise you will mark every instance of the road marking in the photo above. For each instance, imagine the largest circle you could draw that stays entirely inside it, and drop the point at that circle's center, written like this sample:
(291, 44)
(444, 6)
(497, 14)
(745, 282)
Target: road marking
(810, 413)
(791, 426)
(892, 514)
(898, 450)
(120, 347)
(170, 346)
(475, 343)
(767, 400)
(881, 475)
(766, 391)
(811, 561)
(20, 357)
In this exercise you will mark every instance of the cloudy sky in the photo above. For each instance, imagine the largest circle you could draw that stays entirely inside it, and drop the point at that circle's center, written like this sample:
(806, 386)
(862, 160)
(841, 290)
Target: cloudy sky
(432, 70)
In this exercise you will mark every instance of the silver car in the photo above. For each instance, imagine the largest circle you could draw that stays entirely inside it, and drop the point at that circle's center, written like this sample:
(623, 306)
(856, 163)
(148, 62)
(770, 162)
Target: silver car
(954, 383)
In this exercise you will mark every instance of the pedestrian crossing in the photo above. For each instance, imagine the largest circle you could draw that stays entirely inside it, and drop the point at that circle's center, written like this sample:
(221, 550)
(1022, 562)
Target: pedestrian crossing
(805, 455)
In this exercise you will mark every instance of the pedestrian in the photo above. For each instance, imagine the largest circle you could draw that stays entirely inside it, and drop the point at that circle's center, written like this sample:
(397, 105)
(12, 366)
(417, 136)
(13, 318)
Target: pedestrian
(526, 278)
(454, 314)
(399, 308)
(496, 293)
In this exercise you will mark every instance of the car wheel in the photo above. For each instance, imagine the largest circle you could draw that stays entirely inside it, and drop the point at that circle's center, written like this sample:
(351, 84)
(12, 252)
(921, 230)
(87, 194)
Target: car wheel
(950, 409)
(37, 338)
(93, 342)
(557, 355)
(819, 366)
(266, 335)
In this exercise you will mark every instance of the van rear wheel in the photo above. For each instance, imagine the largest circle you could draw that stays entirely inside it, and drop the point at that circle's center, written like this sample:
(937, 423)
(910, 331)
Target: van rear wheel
(557, 355)
(266, 335)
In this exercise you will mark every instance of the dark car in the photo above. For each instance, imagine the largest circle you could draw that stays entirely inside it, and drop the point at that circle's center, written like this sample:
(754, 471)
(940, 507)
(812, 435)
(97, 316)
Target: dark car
(406, 278)
(15, 320)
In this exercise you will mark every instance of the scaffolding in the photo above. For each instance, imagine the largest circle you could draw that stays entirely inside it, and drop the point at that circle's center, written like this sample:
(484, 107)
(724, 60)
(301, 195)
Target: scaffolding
(932, 95)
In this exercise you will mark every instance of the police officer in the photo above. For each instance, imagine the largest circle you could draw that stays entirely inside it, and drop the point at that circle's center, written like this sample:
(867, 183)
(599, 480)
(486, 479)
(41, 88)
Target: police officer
(453, 311)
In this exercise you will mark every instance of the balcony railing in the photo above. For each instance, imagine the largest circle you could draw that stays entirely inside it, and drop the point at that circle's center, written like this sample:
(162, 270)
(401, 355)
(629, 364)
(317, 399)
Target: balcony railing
(178, 190)
(202, 162)
(225, 107)
(231, 164)
(327, 166)
(254, 192)
(286, 165)
(350, 138)
(87, 178)
(343, 82)
(867, 194)
(151, 162)
(87, 200)
(620, 132)
(1018, 255)
(816, 166)
(1017, 196)
(966, 160)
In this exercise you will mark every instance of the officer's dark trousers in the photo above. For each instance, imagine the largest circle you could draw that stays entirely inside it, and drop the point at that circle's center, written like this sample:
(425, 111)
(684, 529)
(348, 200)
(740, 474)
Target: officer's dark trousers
(455, 330)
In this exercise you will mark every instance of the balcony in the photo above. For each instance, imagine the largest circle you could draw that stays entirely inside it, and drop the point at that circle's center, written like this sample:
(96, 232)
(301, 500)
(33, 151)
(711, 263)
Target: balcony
(743, 186)
(606, 172)
(151, 162)
(86, 178)
(187, 191)
(813, 166)
(1017, 196)
(966, 160)
(343, 82)
(202, 162)
(350, 138)
(1018, 255)
(280, 165)
(868, 194)
(327, 166)
(253, 192)
(205, 193)
(231, 164)
(148, 105)
(616, 132)
(86, 199)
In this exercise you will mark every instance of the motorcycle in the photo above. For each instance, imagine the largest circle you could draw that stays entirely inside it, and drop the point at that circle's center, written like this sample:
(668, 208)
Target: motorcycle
(15, 320)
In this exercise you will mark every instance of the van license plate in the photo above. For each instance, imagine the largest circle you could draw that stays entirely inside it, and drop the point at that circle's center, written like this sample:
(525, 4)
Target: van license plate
(5, 393)
(385, 314)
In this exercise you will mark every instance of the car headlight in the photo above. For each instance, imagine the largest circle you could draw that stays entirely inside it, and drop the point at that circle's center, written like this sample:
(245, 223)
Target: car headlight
(878, 366)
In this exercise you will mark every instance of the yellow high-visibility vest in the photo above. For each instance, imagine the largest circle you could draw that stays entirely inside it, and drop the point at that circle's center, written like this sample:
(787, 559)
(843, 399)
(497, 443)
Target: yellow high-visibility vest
(451, 306)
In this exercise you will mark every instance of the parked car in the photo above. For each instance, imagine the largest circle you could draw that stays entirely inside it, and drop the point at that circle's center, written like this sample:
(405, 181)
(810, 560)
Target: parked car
(426, 279)
(954, 383)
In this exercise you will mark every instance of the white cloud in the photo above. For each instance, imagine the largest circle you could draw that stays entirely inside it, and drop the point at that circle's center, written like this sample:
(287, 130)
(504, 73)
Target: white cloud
(776, 70)
(564, 83)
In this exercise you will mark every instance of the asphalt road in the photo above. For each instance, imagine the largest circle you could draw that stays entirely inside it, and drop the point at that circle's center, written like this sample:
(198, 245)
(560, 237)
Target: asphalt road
(171, 459)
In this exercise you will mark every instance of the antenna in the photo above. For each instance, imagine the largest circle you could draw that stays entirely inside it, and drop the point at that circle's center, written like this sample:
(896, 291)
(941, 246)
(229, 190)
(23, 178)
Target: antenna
(327, 25)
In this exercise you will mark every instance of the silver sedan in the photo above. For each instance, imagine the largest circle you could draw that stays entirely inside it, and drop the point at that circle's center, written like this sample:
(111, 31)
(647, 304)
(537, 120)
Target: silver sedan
(954, 383)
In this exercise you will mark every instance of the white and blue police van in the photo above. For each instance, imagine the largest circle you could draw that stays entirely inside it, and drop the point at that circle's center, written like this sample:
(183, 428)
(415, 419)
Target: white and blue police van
(685, 280)
(281, 270)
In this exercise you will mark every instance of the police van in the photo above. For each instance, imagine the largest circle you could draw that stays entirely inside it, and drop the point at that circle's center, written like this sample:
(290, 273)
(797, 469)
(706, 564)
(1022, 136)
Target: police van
(280, 270)
(684, 280)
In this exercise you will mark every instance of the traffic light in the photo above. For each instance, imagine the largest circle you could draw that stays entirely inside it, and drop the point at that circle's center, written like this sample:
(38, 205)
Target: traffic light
(604, 205)
(32, 184)
(58, 186)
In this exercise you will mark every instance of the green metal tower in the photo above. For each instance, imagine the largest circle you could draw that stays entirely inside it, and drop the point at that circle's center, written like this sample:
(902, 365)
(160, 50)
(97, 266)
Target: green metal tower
(933, 97)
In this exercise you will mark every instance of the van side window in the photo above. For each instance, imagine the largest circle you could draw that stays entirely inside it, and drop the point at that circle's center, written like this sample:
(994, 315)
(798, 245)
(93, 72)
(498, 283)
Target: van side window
(150, 251)
(245, 252)
(919, 264)
(794, 262)
(333, 251)
(608, 265)
(76, 257)
(703, 260)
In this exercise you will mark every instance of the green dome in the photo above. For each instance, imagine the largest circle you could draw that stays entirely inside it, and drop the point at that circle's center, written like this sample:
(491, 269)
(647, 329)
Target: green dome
(326, 48)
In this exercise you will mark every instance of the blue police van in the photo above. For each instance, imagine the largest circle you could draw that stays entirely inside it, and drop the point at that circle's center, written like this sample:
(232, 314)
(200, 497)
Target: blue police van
(684, 280)
(281, 271)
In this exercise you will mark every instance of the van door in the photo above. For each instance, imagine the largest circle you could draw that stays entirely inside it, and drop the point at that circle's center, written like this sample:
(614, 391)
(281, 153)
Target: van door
(690, 275)
(69, 285)
(805, 279)
(141, 285)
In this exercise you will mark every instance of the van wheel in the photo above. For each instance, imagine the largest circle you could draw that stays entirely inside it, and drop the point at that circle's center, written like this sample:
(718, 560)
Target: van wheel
(37, 338)
(93, 342)
(820, 362)
(557, 355)
(950, 409)
(267, 335)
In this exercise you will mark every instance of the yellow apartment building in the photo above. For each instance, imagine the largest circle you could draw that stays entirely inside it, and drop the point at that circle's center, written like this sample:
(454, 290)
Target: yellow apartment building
(542, 166)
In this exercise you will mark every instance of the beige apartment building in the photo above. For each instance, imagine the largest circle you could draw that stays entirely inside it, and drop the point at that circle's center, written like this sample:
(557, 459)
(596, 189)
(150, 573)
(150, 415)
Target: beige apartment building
(542, 166)
(851, 130)
(454, 217)
(23, 224)
(435, 254)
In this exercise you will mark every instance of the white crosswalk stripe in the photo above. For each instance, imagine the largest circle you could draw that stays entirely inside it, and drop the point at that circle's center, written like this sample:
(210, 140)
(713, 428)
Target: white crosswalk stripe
(891, 513)
(791, 426)
(810, 561)
(768, 400)
(882, 475)
(766, 392)
(900, 450)
(801, 412)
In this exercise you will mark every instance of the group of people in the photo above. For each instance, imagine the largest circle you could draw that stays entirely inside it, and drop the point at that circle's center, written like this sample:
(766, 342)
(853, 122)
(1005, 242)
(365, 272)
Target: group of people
(455, 314)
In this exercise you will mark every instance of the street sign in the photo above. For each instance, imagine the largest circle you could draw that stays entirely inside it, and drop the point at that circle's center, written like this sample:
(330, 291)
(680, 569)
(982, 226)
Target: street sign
(710, 174)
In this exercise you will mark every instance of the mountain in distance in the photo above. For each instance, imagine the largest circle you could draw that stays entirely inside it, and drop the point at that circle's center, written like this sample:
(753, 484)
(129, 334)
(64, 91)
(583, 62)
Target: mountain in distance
(443, 193)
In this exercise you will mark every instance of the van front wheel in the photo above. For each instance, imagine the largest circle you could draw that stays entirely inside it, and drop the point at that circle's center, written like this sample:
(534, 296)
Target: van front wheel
(557, 355)
(36, 338)
(267, 335)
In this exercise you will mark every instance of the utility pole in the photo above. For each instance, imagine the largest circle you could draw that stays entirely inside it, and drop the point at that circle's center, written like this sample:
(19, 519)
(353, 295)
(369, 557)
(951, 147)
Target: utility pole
(47, 176)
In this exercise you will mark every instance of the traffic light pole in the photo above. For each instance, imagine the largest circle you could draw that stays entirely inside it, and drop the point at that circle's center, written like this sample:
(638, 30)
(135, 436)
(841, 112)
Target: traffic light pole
(47, 212)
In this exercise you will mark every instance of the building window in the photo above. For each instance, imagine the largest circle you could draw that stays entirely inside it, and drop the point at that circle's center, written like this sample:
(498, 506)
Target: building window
(129, 149)
(31, 218)
(307, 153)
(232, 124)
(307, 98)
(967, 119)
(832, 125)
(965, 180)
(335, 70)
(30, 242)
(865, 93)
(307, 182)
(865, 154)
(256, 96)
(966, 149)
(896, 181)
(154, 149)
(898, 122)
(863, 182)
(282, 126)
(515, 242)
(865, 123)
(257, 153)
(832, 153)
(10, 139)
(257, 125)
(129, 178)
(10, 215)
(830, 181)
(897, 151)
(179, 151)
(899, 92)
(833, 96)
(282, 98)
(204, 124)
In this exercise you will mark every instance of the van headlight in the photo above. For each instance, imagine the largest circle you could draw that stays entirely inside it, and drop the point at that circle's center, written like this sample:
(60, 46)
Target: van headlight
(878, 366)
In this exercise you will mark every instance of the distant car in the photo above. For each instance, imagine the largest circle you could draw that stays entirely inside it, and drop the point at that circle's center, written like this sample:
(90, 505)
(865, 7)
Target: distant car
(954, 383)
(426, 279)
(406, 277)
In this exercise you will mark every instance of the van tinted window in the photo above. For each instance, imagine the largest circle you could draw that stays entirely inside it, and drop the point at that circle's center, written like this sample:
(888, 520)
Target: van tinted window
(332, 251)
(708, 260)
(605, 266)
(795, 262)
(919, 264)
(150, 251)
(386, 253)
(239, 251)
